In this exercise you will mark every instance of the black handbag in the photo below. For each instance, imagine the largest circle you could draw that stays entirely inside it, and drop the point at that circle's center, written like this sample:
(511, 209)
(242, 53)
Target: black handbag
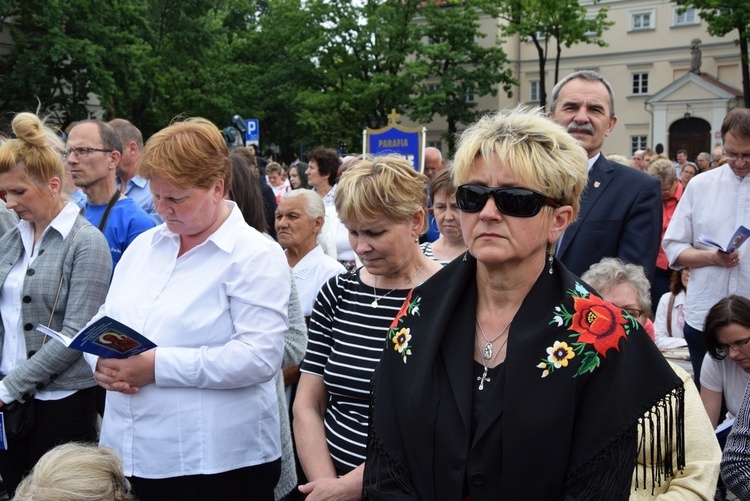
(20, 418)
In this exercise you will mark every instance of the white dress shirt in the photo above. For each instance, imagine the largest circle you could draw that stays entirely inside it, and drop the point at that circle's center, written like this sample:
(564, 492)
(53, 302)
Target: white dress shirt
(310, 273)
(662, 337)
(714, 204)
(218, 315)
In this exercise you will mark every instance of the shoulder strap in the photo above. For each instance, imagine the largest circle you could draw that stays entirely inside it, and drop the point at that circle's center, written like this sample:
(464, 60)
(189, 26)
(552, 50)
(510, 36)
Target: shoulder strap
(59, 286)
(669, 314)
(105, 216)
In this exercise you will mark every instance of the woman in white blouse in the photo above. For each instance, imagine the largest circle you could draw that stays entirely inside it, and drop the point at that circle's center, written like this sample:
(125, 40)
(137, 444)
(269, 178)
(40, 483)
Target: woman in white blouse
(670, 314)
(197, 418)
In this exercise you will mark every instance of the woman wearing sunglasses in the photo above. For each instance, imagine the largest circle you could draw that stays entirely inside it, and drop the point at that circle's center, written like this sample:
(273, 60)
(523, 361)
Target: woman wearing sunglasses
(498, 373)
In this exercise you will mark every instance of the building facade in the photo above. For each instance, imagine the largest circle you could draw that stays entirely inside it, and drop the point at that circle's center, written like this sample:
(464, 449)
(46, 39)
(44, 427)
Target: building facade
(652, 48)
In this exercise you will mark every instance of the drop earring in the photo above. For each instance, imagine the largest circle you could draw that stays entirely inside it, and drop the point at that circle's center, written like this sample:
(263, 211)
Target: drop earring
(551, 260)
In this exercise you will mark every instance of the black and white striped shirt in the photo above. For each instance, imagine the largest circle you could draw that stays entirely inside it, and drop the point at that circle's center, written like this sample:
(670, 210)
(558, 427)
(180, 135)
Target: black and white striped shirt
(346, 337)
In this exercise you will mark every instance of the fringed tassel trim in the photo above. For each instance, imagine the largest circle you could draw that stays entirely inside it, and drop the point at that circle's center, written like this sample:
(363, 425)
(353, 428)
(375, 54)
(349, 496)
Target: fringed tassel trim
(657, 441)
(661, 440)
(380, 466)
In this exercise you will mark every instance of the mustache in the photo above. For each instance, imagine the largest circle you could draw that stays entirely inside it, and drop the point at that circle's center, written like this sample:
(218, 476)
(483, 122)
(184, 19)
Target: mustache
(576, 127)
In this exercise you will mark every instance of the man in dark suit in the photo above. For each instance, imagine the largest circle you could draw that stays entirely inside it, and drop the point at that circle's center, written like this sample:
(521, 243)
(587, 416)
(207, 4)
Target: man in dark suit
(621, 207)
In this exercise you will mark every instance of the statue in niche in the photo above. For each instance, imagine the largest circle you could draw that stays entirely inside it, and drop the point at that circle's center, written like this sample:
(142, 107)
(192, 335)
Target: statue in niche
(695, 52)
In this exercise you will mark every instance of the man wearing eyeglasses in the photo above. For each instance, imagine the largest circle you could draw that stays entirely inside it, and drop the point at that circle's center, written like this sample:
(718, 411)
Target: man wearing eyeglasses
(714, 204)
(621, 207)
(93, 152)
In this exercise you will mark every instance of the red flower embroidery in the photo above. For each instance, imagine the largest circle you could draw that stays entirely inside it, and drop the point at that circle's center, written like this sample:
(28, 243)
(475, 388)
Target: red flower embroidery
(402, 312)
(598, 323)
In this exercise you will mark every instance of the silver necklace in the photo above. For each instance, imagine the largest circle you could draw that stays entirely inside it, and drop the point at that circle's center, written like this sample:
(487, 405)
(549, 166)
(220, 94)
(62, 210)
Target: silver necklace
(486, 352)
(375, 302)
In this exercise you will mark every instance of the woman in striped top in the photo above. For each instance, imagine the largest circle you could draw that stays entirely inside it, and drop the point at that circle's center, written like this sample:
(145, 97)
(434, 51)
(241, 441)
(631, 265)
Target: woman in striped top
(383, 205)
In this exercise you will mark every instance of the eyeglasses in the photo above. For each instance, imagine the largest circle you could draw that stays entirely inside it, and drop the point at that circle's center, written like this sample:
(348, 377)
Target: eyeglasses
(516, 202)
(724, 349)
(634, 312)
(737, 156)
(82, 152)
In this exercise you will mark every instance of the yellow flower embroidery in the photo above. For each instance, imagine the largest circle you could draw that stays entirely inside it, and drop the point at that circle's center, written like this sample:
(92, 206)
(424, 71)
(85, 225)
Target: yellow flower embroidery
(401, 340)
(559, 354)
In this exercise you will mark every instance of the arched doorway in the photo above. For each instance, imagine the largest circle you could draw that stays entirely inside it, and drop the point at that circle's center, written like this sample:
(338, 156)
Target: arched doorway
(691, 134)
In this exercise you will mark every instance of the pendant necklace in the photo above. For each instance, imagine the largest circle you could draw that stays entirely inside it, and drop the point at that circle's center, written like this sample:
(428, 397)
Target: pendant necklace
(375, 302)
(486, 353)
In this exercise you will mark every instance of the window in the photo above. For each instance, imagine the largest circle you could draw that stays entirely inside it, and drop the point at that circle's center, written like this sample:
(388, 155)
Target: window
(540, 35)
(643, 20)
(435, 144)
(639, 83)
(534, 91)
(433, 87)
(687, 18)
(638, 143)
(469, 95)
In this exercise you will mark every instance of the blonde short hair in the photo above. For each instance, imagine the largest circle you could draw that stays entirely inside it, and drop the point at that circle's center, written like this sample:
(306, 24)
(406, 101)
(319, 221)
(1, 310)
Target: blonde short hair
(540, 154)
(188, 154)
(35, 151)
(381, 187)
(76, 471)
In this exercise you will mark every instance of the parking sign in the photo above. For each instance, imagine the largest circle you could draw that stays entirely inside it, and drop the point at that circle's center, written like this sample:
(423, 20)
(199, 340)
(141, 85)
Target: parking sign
(252, 134)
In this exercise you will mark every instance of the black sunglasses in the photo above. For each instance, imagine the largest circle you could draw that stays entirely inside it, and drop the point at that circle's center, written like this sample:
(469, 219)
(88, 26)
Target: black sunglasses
(517, 202)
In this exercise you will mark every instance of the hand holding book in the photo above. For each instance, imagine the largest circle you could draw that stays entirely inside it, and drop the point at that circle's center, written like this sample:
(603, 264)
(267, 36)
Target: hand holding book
(106, 338)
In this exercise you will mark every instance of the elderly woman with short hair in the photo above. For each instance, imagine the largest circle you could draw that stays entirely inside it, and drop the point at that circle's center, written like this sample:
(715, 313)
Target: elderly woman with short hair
(383, 204)
(450, 244)
(197, 416)
(627, 287)
(497, 375)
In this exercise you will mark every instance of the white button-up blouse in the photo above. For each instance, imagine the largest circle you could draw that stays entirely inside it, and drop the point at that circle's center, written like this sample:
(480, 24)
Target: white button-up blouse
(218, 315)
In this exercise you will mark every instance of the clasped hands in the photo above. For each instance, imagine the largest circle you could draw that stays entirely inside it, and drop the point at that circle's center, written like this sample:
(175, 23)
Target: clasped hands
(126, 375)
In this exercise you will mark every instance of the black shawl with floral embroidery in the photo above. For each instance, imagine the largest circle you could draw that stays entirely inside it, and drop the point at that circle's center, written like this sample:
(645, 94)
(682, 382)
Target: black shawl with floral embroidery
(581, 379)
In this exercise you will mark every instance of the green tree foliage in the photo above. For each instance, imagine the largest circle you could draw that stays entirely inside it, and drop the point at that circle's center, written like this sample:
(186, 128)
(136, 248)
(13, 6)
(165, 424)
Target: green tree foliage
(63, 52)
(362, 49)
(451, 64)
(722, 17)
(543, 21)
(315, 72)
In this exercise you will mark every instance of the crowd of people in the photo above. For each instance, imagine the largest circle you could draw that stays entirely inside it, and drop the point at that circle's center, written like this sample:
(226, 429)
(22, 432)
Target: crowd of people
(503, 323)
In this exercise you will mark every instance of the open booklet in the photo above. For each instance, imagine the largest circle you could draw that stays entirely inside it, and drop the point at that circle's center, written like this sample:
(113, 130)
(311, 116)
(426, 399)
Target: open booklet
(735, 242)
(106, 338)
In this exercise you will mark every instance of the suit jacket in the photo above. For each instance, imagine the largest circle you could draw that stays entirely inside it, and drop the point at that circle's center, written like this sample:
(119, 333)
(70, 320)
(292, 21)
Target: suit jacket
(620, 216)
(83, 261)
